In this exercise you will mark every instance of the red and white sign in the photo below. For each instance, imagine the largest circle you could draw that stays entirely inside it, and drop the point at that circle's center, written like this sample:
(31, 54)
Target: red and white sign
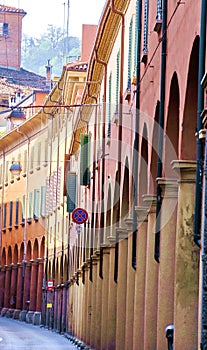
(79, 216)
(50, 285)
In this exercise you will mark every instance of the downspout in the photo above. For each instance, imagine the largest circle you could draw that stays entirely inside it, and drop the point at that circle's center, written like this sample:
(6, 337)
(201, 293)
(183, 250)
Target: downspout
(103, 165)
(136, 135)
(199, 172)
(119, 126)
(161, 126)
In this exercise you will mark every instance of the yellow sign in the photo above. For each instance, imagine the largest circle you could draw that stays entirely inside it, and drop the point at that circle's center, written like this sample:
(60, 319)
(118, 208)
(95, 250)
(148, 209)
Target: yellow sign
(49, 305)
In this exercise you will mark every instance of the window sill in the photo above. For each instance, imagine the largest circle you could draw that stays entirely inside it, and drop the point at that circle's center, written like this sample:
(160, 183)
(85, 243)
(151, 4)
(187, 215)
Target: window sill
(158, 26)
(144, 57)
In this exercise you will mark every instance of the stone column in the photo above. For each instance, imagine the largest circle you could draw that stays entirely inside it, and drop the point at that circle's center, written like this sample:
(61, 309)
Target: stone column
(13, 293)
(19, 301)
(151, 282)
(112, 298)
(27, 279)
(130, 289)
(93, 301)
(139, 299)
(2, 287)
(186, 261)
(105, 290)
(98, 305)
(121, 288)
(33, 286)
(39, 285)
(167, 259)
(7, 286)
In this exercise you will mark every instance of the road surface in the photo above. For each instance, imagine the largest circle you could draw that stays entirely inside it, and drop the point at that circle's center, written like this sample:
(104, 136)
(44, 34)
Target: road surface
(15, 335)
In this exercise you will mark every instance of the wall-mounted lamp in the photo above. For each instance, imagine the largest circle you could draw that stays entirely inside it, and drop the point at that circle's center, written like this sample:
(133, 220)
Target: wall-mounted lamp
(15, 168)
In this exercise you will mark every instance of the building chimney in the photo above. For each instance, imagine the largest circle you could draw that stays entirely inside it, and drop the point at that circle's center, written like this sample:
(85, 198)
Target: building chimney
(48, 75)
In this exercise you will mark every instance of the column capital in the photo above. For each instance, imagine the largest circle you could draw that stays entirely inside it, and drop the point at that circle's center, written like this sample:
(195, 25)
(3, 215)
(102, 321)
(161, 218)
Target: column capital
(122, 232)
(129, 224)
(142, 213)
(150, 201)
(168, 186)
(186, 170)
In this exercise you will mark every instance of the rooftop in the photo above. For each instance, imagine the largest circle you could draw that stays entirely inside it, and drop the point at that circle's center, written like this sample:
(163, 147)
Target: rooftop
(5, 8)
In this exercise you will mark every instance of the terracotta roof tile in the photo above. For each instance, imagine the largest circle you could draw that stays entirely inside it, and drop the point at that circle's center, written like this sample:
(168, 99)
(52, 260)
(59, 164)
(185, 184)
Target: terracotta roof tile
(4, 8)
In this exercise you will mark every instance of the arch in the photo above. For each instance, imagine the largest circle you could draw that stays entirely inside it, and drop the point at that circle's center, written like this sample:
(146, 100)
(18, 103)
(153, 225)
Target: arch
(143, 174)
(9, 257)
(154, 155)
(172, 127)
(3, 257)
(35, 249)
(116, 201)
(29, 251)
(188, 149)
(15, 254)
(65, 268)
(125, 191)
(108, 213)
(56, 269)
(22, 252)
(42, 247)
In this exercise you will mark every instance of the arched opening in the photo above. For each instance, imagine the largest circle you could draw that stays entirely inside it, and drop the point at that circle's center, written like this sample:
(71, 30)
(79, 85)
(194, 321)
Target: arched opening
(15, 253)
(9, 260)
(29, 251)
(188, 149)
(116, 201)
(35, 249)
(154, 153)
(125, 192)
(42, 248)
(108, 213)
(22, 252)
(172, 128)
(143, 174)
(3, 257)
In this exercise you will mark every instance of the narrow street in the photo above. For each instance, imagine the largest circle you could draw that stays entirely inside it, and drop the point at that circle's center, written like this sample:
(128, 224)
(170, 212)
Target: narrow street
(15, 335)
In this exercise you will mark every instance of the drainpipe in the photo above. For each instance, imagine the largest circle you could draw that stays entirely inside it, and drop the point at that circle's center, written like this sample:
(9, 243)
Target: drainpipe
(136, 135)
(199, 172)
(119, 125)
(161, 126)
(103, 164)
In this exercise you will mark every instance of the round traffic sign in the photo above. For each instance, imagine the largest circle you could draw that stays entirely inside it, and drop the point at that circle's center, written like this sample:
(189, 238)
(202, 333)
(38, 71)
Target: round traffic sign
(79, 215)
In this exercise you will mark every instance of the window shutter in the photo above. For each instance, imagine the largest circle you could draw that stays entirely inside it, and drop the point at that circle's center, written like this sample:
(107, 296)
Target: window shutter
(43, 201)
(146, 15)
(71, 191)
(109, 107)
(25, 161)
(10, 214)
(130, 57)
(23, 207)
(36, 203)
(85, 159)
(30, 205)
(32, 158)
(5, 208)
(17, 213)
(159, 10)
(117, 80)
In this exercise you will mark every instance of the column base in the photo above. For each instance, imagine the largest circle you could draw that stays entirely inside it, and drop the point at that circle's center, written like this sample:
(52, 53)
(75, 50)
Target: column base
(4, 311)
(29, 316)
(36, 320)
(9, 313)
(22, 315)
(16, 314)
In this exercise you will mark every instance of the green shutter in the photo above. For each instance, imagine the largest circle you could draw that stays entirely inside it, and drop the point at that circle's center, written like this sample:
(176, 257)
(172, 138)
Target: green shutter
(17, 213)
(30, 205)
(36, 203)
(71, 191)
(85, 159)
(109, 106)
(117, 80)
(11, 213)
(43, 201)
(146, 15)
(23, 207)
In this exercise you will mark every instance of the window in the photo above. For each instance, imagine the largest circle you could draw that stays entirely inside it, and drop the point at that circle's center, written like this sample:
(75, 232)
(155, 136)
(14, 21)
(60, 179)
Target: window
(71, 191)
(130, 57)
(30, 206)
(109, 106)
(85, 159)
(146, 15)
(5, 208)
(4, 29)
(43, 198)
(11, 214)
(17, 213)
(36, 203)
(158, 23)
(117, 80)
(23, 208)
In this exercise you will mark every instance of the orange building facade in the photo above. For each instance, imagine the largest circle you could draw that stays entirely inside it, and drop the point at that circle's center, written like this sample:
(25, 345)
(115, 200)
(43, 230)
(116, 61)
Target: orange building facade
(121, 135)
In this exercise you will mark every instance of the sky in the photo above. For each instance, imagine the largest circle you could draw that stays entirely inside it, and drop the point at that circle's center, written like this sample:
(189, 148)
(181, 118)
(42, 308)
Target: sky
(40, 13)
